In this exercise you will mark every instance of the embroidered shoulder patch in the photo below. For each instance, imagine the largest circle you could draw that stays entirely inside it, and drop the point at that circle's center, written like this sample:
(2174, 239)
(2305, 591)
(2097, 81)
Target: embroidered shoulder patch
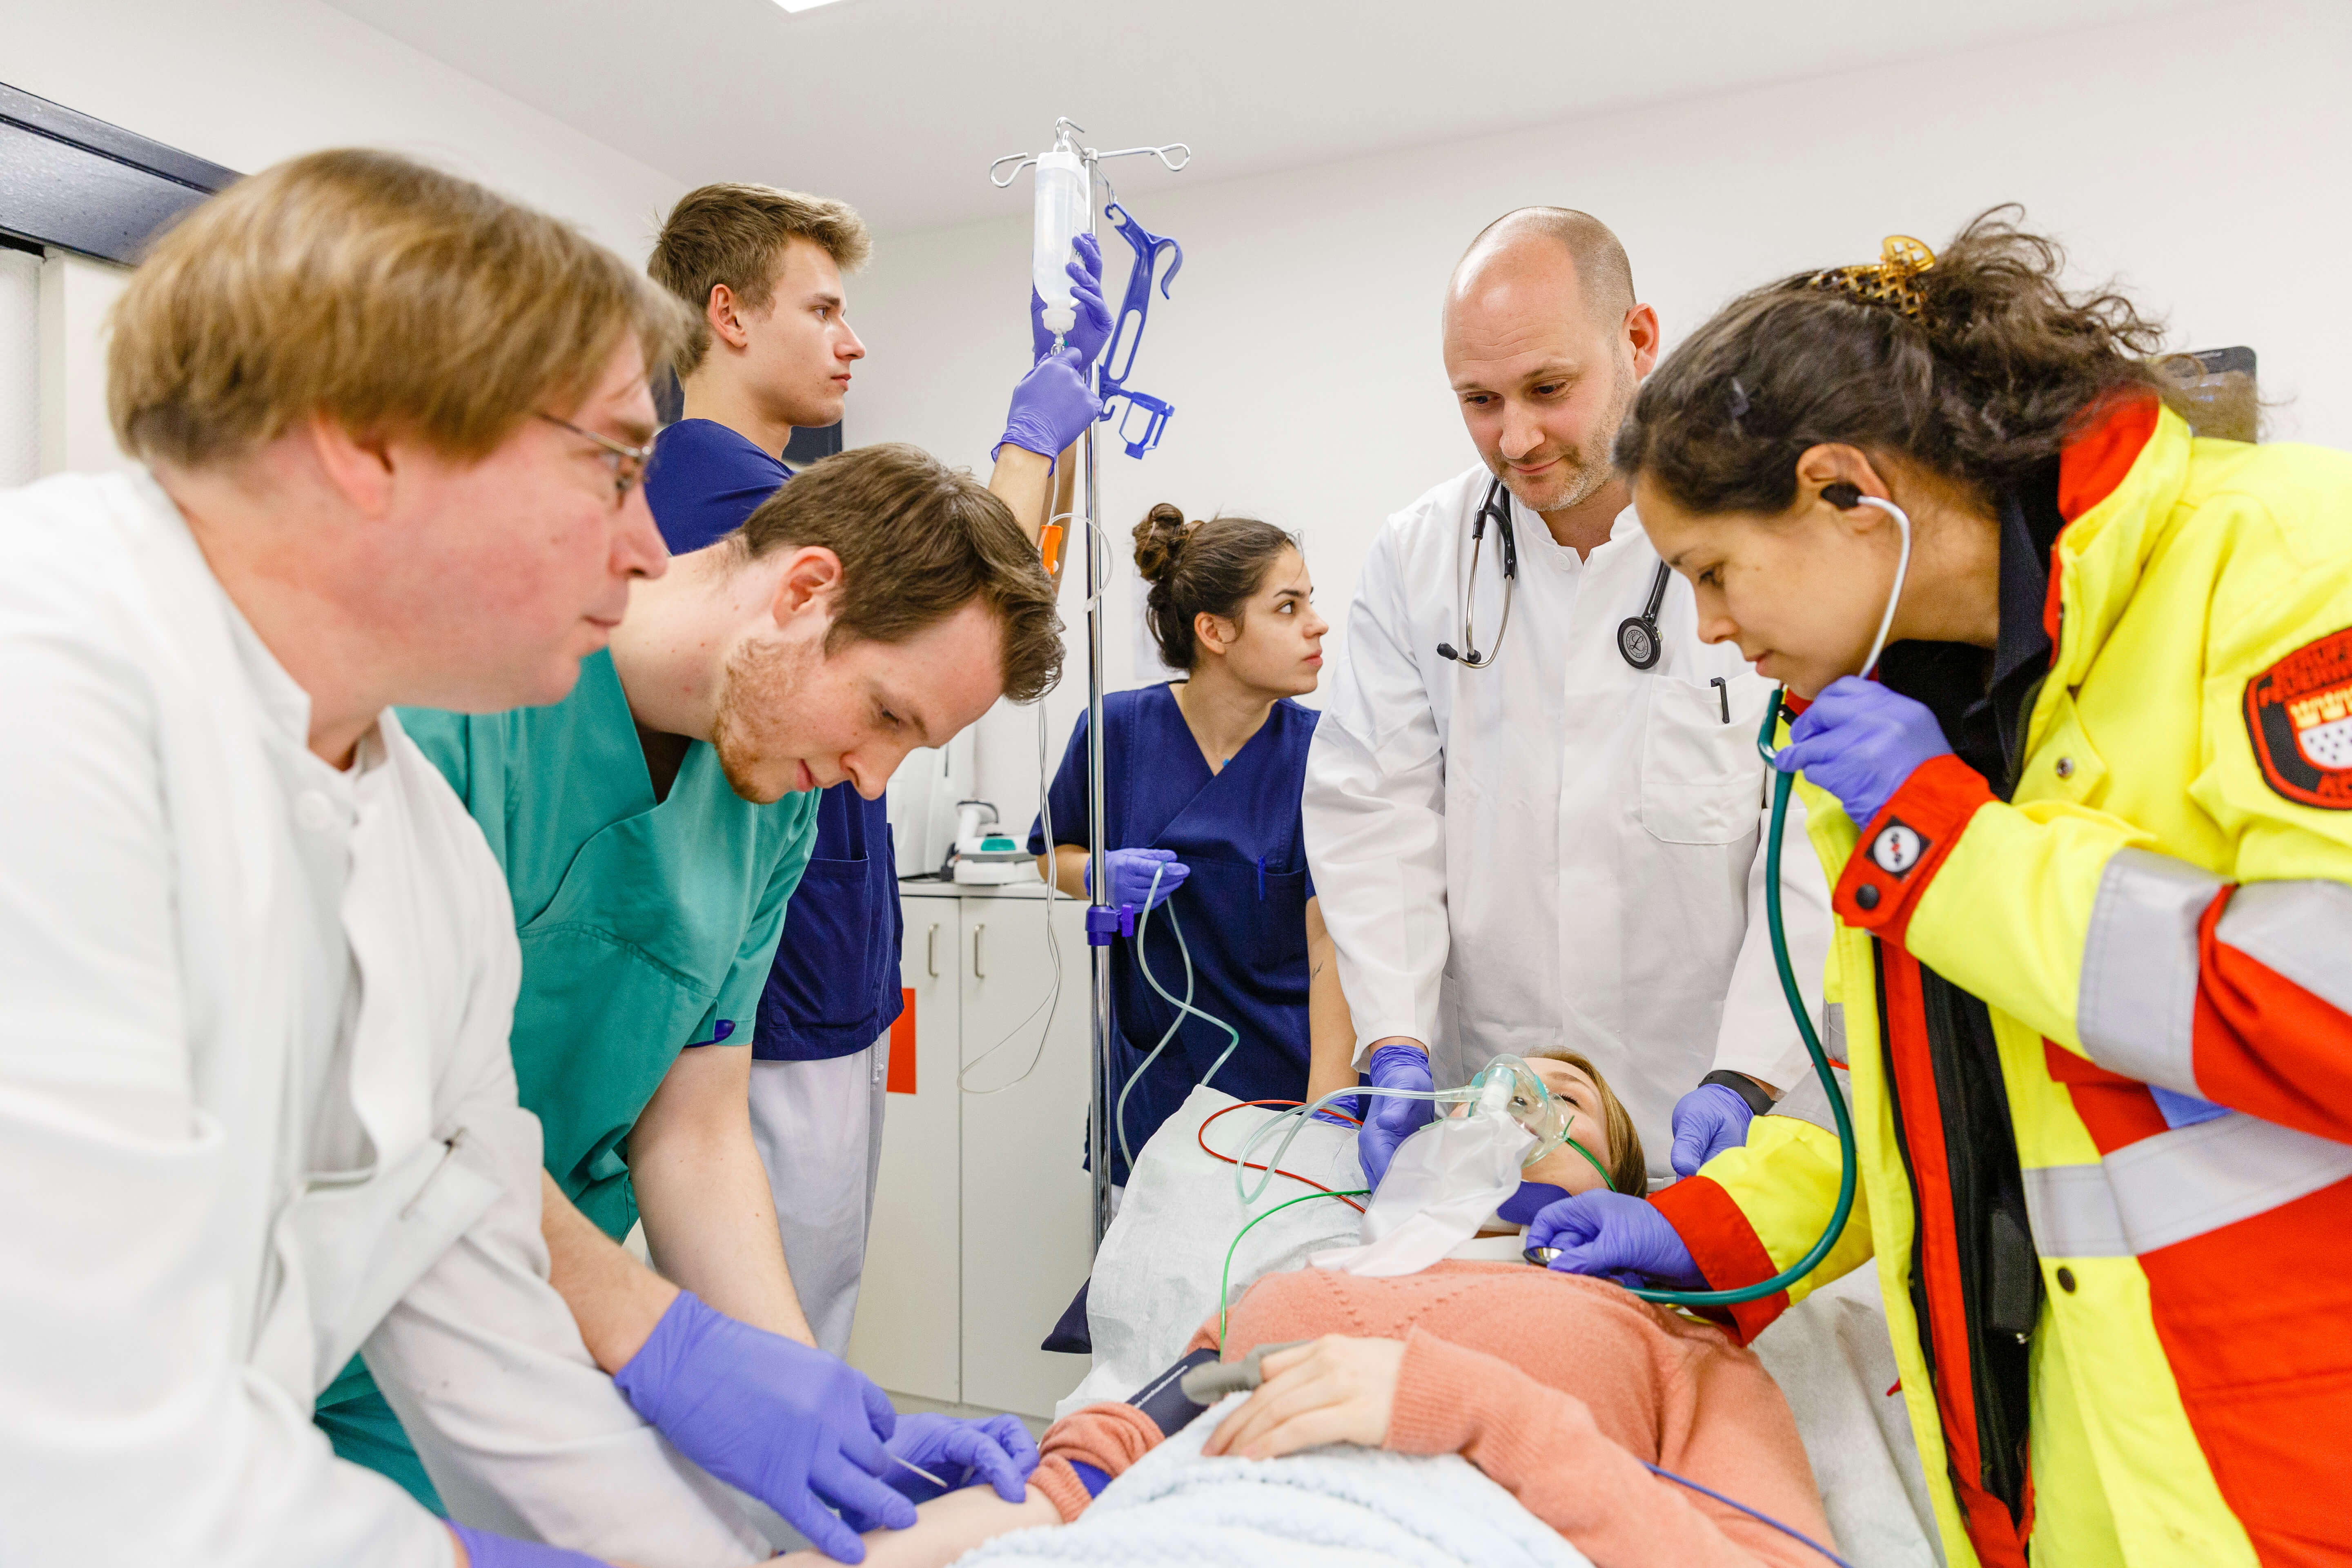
(2299, 717)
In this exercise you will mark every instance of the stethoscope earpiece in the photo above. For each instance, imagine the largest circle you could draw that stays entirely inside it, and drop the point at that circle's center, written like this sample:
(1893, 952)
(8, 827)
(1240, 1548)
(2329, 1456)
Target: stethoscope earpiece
(1845, 498)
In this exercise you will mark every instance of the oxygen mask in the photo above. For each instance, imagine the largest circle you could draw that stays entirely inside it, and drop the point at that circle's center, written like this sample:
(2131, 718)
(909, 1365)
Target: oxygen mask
(1505, 1091)
(1508, 1086)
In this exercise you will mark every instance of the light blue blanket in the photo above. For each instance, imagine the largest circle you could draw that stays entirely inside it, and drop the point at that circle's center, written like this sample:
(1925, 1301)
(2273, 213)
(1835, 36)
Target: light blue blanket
(1363, 1508)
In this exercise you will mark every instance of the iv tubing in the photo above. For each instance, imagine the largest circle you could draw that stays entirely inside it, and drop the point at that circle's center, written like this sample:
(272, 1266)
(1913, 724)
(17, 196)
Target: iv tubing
(1143, 962)
(1225, 1280)
(1201, 1136)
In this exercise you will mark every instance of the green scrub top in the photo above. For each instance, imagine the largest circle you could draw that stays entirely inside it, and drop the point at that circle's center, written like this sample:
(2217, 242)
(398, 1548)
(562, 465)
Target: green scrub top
(646, 927)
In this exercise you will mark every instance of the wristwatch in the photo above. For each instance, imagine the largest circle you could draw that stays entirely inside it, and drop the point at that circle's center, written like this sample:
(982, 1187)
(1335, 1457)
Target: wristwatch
(1745, 1088)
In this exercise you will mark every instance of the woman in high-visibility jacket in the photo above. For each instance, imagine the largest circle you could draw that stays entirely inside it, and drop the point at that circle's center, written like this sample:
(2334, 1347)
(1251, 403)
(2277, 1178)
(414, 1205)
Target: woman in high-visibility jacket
(2090, 832)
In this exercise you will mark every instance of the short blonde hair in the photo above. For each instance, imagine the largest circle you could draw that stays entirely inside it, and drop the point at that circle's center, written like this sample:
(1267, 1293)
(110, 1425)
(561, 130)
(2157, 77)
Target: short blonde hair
(733, 234)
(385, 295)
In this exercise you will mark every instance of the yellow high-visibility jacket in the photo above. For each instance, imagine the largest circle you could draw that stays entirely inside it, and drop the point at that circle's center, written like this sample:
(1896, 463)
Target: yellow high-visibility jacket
(2159, 924)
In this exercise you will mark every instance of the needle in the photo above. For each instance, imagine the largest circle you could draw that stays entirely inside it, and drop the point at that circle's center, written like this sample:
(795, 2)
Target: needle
(922, 1472)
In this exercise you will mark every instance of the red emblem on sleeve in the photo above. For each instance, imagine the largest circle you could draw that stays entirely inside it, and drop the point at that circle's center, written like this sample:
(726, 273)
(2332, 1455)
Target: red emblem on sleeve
(2299, 717)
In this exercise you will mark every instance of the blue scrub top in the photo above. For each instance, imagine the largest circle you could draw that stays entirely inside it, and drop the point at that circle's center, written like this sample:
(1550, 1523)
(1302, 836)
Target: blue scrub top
(835, 985)
(1243, 907)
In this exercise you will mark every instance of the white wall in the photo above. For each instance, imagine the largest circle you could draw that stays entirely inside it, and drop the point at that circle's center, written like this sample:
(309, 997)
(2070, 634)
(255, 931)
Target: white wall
(2200, 159)
(248, 82)
(20, 367)
(76, 292)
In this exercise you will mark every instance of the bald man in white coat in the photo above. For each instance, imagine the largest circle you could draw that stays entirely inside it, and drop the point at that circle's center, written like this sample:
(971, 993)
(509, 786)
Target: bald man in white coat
(1534, 805)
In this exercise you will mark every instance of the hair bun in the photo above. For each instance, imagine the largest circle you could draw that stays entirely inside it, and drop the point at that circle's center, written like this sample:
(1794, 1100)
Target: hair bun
(1159, 540)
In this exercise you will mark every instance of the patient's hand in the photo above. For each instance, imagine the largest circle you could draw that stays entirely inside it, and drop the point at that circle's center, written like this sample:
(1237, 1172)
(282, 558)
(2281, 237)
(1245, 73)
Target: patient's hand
(1337, 1390)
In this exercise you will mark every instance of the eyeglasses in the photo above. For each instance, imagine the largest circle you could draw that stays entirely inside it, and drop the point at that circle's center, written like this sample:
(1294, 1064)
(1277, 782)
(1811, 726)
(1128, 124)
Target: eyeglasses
(627, 462)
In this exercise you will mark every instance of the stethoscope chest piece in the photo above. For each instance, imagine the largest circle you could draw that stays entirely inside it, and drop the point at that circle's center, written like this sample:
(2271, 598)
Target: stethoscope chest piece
(1638, 643)
(1637, 640)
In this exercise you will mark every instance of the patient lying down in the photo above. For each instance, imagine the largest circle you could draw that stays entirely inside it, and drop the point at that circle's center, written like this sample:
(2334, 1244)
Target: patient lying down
(1555, 1387)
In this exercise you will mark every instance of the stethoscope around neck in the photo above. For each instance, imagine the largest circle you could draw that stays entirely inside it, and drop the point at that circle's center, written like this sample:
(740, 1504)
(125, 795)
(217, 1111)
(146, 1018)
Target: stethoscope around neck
(1638, 642)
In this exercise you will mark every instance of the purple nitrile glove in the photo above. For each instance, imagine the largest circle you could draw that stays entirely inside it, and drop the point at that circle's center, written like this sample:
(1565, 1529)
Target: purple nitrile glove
(1860, 741)
(1130, 877)
(798, 1429)
(1052, 407)
(998, 1450)
(1708, 1120)
(1092, 329)
(1388, 1121)
(1618, 1236)
(484, 1550)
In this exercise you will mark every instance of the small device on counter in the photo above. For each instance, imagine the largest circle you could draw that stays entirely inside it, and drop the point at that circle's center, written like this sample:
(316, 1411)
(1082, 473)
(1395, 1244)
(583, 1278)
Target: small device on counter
(986, 856)
(923, 794)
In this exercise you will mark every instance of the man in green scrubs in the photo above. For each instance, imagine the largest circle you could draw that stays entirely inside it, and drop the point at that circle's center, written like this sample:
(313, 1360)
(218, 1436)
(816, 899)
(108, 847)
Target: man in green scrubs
(652, 826)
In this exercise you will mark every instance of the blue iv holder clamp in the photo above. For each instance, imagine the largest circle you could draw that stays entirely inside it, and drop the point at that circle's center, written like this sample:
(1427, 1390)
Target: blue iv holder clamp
(1118, 358)
(1105, 922)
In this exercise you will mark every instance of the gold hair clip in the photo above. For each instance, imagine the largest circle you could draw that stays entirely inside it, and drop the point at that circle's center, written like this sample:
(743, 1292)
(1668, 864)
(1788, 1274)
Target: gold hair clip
(1889, 281)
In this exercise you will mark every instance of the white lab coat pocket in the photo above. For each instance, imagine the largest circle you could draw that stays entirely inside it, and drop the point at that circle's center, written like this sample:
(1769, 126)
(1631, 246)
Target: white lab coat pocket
(1699, 770)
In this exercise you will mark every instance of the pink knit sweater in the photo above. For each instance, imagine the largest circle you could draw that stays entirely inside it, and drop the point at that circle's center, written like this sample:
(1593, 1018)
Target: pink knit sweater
(1554, 1385)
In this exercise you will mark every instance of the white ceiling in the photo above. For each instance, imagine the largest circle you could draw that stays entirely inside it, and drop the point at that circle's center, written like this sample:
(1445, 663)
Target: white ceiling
(897, 106)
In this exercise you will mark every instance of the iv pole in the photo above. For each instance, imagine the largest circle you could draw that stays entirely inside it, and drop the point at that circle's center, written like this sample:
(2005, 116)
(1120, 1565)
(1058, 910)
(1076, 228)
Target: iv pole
(1102, 918)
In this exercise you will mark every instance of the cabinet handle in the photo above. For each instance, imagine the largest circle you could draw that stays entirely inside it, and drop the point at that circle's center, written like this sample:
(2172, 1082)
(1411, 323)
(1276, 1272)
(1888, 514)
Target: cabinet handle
(978, 931)
(931, 950)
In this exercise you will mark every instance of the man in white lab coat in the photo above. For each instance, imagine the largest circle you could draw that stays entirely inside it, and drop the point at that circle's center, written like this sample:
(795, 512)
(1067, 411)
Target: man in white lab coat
(1532, 822)
(257, 966)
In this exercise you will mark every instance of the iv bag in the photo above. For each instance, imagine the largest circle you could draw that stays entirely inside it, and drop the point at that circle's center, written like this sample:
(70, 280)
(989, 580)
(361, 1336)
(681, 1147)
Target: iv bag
(1064, 212)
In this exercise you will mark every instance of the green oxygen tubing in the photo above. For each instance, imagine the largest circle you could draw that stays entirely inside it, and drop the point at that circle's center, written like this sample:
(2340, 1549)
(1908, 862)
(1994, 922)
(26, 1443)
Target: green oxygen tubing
(1775, 836)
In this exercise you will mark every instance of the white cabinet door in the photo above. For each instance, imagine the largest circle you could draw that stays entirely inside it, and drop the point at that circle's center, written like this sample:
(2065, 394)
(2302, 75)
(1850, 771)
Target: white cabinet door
(908, 1336)
(1028, 1231)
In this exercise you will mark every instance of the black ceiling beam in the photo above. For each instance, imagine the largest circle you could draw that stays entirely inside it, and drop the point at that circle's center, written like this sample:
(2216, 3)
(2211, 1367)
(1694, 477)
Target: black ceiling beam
(77, 183)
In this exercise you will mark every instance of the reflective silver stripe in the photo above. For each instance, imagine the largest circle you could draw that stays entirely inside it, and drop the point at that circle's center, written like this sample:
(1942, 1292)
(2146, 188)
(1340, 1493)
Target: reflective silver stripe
(1833, 1031)
(2177, 1184)
(2138, 998)
(1806, 1102)
(2300, 931)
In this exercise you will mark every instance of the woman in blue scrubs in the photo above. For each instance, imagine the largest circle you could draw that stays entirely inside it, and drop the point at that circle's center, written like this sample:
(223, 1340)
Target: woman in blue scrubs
(1201, 780)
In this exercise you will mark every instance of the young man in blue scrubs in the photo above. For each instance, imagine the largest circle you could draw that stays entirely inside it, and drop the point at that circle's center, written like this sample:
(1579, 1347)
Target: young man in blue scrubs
(762, 268)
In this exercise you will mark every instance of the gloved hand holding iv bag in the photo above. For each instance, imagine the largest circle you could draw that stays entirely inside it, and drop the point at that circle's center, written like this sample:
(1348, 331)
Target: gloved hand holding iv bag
(1092, 329)
(1389, 1121)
